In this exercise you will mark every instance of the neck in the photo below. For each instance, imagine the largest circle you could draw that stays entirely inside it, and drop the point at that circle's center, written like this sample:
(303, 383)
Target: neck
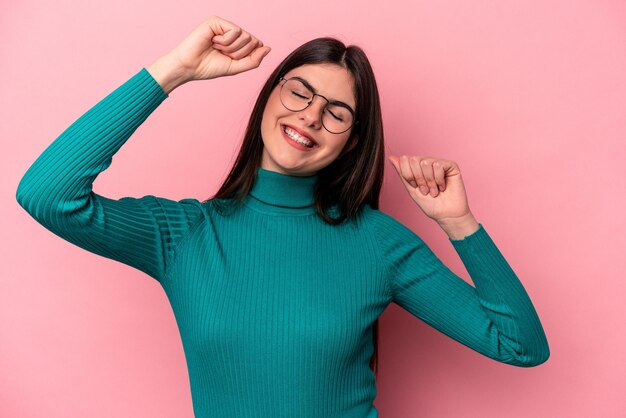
(276, 191)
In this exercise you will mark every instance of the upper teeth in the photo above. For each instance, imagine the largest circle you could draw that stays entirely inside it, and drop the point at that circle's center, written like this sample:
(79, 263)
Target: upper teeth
(297, 137)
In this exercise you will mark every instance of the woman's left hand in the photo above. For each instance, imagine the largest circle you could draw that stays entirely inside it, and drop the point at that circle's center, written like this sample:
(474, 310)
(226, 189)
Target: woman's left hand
(443, 198)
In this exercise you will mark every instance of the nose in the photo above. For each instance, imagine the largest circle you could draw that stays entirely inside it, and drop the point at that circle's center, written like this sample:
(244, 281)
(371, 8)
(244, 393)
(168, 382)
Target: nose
(312, 114)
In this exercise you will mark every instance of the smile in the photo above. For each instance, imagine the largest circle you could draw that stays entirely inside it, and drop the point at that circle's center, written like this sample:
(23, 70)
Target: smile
(297, 140)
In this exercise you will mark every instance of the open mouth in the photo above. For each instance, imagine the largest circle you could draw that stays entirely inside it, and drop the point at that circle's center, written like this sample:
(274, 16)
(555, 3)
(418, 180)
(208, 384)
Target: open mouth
(299, 139)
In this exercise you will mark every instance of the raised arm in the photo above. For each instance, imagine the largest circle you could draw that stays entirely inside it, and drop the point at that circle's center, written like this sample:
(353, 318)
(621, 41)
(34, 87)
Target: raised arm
(57, 188)
(141, 232)
(496, 318)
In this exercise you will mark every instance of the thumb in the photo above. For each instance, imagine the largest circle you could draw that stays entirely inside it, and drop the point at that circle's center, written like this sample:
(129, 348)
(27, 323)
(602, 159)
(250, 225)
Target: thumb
(260, 53)
(396, 164)
(394, 161)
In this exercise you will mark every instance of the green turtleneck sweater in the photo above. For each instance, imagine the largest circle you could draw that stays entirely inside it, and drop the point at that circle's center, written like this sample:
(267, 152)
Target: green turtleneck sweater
(274, 306)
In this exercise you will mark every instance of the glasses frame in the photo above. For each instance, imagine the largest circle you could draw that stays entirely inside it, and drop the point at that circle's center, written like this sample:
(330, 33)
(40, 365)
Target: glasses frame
(285, 80)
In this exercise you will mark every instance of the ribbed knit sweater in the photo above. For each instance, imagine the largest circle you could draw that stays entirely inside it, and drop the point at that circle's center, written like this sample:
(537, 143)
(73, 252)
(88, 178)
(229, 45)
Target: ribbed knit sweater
(275, 307)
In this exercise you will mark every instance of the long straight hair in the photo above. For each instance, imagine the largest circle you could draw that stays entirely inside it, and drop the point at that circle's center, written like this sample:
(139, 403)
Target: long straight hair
(355, 177)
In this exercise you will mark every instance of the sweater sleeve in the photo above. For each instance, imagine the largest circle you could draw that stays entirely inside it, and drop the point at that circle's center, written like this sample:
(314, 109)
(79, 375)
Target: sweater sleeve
(496, 318)
(57, 189)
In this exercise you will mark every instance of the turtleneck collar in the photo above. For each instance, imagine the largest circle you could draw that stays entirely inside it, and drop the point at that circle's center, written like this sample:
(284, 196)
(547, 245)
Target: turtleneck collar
(274, 191)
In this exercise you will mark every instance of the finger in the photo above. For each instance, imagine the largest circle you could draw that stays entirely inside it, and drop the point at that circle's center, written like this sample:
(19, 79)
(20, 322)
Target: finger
(251, 61)
(440, 175)
(426, 165)
(228, 37)
(429, 175)
(395, 161)
(417, 164)
(406, 174)
(245, 50)
(239, 44)
(243, 38)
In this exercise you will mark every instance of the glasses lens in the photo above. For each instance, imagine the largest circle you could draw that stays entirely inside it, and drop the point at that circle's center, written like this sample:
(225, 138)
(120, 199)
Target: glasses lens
(336, 118)
(295, 96)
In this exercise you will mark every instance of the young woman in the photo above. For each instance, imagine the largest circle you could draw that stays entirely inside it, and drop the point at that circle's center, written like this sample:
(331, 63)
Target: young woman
(277, 281)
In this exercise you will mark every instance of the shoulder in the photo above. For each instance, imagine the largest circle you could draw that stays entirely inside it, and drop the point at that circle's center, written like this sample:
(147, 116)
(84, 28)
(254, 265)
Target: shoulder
(186, 207)
(388, 230)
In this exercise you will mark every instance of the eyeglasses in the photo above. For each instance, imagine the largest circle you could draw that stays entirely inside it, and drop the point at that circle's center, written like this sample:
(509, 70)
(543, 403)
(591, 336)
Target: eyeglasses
(337, 117)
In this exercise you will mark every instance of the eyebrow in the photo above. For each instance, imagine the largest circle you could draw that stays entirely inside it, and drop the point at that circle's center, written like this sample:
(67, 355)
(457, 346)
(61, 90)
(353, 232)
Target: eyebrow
(310, 87)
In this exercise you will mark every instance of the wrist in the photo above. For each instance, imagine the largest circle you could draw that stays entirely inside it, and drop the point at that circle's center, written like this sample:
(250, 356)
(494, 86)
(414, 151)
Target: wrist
(168, 73)
(459, 228)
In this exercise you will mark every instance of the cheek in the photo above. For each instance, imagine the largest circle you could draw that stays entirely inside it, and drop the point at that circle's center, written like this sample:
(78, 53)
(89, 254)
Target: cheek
(270, 115)
(268, 119)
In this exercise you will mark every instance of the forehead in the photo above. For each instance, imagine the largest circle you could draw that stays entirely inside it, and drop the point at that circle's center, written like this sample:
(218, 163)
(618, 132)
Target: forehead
(329, 80)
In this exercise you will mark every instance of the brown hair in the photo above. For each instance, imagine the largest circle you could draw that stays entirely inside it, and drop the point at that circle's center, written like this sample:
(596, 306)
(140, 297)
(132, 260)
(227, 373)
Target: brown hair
(355, 177)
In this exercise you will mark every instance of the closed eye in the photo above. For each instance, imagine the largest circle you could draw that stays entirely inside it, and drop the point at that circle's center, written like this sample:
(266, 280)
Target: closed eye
(335, 116)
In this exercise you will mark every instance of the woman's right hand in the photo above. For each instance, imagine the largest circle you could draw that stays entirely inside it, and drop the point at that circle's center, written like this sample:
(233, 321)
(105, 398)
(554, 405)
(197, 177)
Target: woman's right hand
(215, 48)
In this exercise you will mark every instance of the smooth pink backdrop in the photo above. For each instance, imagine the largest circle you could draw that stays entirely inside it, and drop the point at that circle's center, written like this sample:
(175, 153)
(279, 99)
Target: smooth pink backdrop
(529, 98)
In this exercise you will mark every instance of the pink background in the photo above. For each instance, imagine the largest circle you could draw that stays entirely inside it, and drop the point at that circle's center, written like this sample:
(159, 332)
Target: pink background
(528, 97)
